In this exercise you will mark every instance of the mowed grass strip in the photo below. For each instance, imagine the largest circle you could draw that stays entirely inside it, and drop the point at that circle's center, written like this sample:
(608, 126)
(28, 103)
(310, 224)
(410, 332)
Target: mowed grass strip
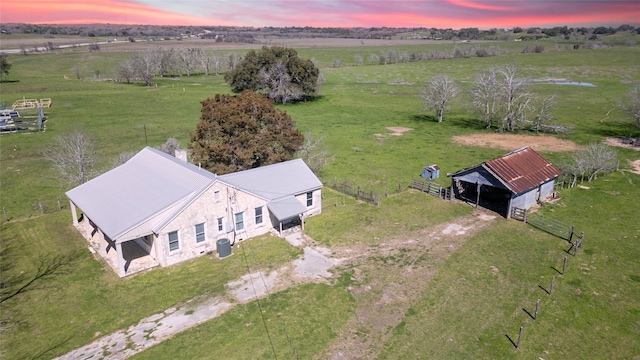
(87, 299)
(356, 222)
(480, 296)
(294, 324)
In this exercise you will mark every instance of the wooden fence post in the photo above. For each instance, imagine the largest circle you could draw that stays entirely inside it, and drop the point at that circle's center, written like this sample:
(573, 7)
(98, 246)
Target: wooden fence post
(4, 211)
(571, 235)
(399, 187)
(519, 338)
(59, 206)
(580, 240)
(553, 280)
(535, 315)
(564, 267)
(41, 207)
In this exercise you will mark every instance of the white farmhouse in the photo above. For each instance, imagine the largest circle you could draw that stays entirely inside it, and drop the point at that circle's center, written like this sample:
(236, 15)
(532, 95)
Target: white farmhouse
(158, 210)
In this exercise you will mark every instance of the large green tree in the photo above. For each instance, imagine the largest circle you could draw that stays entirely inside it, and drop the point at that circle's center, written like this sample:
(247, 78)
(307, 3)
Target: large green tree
(4, 66)
(277, 71)
(243, 132)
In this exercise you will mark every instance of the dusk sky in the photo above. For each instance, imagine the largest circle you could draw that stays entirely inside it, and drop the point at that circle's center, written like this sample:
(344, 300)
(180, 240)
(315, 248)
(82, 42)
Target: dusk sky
(455, 14)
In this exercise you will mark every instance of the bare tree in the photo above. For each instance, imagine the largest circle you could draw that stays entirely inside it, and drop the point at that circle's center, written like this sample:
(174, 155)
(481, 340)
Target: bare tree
(170, 146)
(188, 58)
(278, 82)
(515, 96)
(542, 113)
(314, 152)
(486, 95)
(165, 60)
(127, 71)
(234, 60)
(597, 158)
(437, 94)
(122, 158)
(74, 157)
(145, 66)
(632, 105)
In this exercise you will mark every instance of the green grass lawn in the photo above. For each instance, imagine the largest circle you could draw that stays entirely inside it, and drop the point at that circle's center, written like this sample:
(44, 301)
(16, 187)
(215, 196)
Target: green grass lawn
(88, 299)
(301, 322)
(595, 303)
(479, 296)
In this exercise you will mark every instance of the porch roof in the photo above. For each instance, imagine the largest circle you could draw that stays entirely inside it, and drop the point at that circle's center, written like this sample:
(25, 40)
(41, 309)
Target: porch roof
(286, 208)
(142, 189)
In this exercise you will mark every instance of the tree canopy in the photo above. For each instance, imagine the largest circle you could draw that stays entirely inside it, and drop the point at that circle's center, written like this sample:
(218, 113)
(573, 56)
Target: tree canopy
(243, 132)
(278, 71)
(4, 66)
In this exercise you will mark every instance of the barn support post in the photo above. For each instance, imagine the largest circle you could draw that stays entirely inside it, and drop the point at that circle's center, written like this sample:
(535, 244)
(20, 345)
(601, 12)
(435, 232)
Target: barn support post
(478, 185)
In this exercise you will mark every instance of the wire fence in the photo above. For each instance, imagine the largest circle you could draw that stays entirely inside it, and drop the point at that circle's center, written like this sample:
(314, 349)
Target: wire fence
(370, 194)
(36, 208)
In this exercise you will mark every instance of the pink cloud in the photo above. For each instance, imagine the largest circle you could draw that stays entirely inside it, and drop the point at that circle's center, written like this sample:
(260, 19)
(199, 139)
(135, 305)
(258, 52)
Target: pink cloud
(325, 13)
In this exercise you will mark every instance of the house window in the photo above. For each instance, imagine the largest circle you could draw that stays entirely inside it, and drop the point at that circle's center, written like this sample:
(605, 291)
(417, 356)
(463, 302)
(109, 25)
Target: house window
(216, 195)
(239, 221)
(200, 233)
(220, 225)
(259, 215)
(310, 198)
(174, 244)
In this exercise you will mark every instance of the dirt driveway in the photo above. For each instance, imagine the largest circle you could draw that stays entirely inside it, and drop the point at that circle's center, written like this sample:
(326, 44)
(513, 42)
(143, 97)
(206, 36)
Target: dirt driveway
(398, 268)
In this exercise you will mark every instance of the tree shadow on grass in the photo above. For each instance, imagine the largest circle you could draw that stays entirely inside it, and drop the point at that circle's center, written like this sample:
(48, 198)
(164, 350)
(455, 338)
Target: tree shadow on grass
(467, 123)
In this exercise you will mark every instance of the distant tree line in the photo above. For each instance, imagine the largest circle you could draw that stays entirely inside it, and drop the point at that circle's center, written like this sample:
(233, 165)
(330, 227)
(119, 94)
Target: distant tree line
(246, 34)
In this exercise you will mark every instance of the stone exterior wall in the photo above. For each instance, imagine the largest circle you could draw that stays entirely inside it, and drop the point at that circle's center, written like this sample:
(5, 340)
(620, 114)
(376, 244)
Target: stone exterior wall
(219, 201)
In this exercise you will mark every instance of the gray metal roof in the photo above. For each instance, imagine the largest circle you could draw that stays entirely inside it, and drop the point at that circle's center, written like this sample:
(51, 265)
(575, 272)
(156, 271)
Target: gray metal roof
(275, 181)
(286, 208)
(145, 186)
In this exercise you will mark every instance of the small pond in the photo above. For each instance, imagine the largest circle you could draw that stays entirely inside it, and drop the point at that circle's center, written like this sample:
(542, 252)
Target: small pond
(574, 83)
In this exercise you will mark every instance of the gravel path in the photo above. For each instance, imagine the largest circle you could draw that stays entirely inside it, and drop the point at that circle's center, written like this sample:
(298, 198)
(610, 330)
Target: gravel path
(314, 265)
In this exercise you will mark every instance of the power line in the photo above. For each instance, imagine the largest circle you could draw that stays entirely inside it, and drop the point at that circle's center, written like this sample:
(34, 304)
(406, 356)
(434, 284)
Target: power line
(284, 328)
(258, 301)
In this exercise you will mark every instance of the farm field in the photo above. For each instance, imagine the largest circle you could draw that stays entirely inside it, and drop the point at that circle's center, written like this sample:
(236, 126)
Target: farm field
(452, 297)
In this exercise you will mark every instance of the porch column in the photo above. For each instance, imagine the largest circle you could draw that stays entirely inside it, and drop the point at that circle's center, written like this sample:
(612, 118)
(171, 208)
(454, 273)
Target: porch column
(280, 228)
(87, 227)
(302, 222)
(74, 213)
(121, 271)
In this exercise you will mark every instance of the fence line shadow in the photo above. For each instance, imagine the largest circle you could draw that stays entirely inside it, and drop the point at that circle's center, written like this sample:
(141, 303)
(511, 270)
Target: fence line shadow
(512, 342)
(528, 313)
(558, 271)
(545, 290)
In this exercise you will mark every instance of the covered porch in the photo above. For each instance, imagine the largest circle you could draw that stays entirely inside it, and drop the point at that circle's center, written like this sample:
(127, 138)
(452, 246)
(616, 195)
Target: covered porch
(287, 213)
(125, 257)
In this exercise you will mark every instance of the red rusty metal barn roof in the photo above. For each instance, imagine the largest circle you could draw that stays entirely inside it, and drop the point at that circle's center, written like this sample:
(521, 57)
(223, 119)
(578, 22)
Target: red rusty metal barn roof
(522, 169)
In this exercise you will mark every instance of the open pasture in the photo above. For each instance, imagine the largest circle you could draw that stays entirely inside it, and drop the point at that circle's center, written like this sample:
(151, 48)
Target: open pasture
(465, 310)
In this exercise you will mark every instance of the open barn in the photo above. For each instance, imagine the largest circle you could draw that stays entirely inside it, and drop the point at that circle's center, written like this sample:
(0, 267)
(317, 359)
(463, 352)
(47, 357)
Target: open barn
(518, 179)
